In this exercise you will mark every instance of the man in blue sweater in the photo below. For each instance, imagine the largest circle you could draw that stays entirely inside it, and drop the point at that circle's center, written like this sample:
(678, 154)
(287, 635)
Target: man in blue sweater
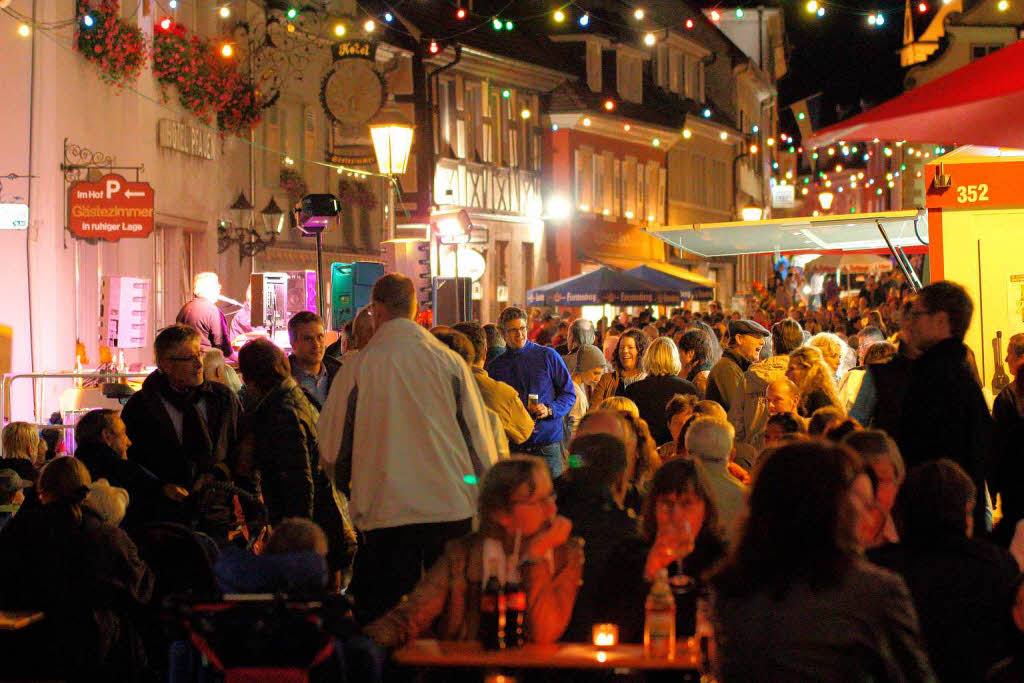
(535, 370)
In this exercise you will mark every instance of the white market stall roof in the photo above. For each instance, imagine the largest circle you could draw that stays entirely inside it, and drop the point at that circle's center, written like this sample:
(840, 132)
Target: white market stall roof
(847, 232)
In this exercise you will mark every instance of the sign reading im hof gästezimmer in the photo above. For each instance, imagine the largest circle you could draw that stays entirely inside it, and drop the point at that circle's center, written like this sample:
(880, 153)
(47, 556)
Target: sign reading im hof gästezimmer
(110, 209)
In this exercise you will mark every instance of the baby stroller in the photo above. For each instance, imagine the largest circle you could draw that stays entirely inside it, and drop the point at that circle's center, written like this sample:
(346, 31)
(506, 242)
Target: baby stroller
(246, 638)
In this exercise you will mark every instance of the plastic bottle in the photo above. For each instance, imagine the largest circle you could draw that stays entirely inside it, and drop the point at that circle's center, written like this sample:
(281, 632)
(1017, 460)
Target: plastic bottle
(660, 621)
(515, 609)
(492, 611)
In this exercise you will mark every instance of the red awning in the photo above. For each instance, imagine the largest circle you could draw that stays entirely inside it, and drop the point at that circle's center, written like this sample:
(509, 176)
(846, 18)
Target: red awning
(978, 104)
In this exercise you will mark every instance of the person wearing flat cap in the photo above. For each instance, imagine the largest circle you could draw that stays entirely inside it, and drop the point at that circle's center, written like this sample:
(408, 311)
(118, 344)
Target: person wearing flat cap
(746, 337)
(586, 366)
(11, 494)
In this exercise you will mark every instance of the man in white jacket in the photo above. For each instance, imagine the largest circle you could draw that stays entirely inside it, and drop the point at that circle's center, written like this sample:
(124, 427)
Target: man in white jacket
(406, 433)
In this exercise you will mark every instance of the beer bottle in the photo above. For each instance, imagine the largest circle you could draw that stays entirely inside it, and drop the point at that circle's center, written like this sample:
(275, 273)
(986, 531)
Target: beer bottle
(492, 611)
(515, 609)
(660, 621)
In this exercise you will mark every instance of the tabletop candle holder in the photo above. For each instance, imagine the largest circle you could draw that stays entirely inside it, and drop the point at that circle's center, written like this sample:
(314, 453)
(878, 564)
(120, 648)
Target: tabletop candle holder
(605, 635)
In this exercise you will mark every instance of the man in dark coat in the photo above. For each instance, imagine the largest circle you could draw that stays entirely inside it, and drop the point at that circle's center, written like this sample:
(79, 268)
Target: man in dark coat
(202, 314)
(101, 443)
(962, 587)
(585, 498)
(183, 428)
(280, 440)
(944, 412)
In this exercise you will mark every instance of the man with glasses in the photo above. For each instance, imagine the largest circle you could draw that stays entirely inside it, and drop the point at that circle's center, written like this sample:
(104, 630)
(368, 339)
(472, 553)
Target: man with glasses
(183, 428)
(539, 371)
(944, 412)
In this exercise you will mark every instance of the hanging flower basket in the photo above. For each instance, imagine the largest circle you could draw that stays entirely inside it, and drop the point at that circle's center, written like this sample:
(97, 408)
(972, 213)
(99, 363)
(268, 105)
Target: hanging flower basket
(118, 49)
(355, 193)
(294, 185)
(209, 85)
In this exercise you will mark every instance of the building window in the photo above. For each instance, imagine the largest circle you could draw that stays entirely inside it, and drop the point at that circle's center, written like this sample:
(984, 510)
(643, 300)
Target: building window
(584, 180)
(719, 185)
(528, 272)
(629, 77)
(661, 66)
(474, 124)
(629, 208)
(980, 51)
(698, 180)
(594, 67)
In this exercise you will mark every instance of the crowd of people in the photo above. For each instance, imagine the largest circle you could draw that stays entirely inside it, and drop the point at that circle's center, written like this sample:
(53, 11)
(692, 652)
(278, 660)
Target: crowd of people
(827, 473)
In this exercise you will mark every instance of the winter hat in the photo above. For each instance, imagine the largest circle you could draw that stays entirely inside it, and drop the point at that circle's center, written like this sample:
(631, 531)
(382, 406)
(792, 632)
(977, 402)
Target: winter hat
(586, 358)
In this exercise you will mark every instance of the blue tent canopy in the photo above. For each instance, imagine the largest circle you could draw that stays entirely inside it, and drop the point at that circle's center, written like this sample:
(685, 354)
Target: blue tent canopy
(687, 289)
(601, 286)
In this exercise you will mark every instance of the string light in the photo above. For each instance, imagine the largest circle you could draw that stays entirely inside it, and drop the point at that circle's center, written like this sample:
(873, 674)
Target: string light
(292, 13)
(753, 149)
(506, 93)
(723, 136)
(656, 142)
(226, 50)
(586, 122)
(811, 6)
(585, 20)
(821, 11)
(638, 14)
(739, 12)
(87, 20)
(922, 7)
(525, 113)
(165, 24)
(173, 4)
(559, 16)
(225, 12)
(369, 26)
(689, 24)
(389, 17)
(687, 133)
(433, 47)
(650, 40)
(609, 105)
(715, 16)
(339, 30)
(707, 113)
(496, 23)
(509, 25)
(1003, 5)
(626, 127)
(460, 13)
(24, 30)
(770, 142)
(554, 126)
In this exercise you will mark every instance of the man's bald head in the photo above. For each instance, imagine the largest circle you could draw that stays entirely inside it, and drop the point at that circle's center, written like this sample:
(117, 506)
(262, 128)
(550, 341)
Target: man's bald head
(602, 422)
(782, 396)
(711, 409)
(362, 328)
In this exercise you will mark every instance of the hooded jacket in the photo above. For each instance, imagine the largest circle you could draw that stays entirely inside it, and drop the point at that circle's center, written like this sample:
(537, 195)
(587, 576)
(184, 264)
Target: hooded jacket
(748, 413)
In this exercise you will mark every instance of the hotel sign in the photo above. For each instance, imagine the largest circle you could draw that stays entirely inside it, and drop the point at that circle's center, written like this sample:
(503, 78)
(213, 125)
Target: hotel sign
(110, 208)
(185, 138)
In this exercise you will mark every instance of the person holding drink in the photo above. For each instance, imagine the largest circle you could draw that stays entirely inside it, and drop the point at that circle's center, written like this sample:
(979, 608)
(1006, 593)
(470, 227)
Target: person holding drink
(520, 529)
(678, 534)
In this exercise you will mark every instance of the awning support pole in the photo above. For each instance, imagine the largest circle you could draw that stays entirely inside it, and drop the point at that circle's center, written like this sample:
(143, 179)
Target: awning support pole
(901, 260)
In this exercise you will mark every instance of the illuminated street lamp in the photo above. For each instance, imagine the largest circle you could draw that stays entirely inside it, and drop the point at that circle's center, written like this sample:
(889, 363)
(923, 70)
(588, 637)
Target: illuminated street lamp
(392, 139)
(825, 199)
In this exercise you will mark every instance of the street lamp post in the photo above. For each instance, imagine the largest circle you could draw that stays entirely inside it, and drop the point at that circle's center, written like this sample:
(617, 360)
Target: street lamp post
(392, 140)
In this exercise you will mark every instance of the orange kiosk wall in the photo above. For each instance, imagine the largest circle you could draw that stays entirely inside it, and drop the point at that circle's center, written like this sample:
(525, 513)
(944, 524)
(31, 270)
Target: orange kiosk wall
(976, 235)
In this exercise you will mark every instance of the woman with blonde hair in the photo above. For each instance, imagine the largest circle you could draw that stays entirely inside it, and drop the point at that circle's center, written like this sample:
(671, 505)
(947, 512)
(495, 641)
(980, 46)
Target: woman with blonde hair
(641, 462)
(22, 451)
(813, 377)
(619, 404)
(833, 350)
(662, 365)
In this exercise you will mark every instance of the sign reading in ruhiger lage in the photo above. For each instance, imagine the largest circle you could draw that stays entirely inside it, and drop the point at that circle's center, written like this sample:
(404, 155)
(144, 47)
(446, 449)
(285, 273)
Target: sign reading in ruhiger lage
(110, 209)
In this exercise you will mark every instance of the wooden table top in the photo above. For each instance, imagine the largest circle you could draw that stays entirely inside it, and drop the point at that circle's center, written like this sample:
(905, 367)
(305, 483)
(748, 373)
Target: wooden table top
(451, 653)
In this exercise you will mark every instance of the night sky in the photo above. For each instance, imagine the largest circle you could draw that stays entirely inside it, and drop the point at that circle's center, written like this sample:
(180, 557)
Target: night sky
(843, 57)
